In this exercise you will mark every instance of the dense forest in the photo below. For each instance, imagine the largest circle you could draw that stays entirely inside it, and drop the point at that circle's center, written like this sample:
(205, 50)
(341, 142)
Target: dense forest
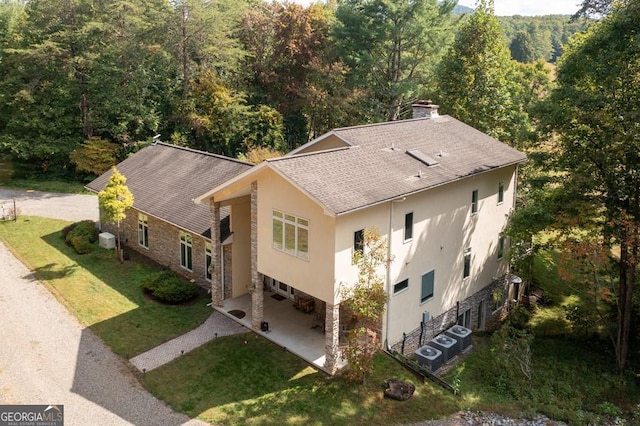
(85, 82)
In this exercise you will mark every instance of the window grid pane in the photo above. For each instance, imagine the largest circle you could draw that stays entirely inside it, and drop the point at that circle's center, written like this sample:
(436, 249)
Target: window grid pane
(186, 257)
(474, 201)
(290, 234)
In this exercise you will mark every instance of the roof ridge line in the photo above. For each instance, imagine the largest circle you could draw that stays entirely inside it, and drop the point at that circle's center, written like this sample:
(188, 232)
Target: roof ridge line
(197, 151)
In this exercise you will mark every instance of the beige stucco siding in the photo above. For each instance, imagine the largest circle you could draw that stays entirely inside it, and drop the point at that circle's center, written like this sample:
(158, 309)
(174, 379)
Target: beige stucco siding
(346, 226)
(240, 218)
(314, 275)
(443, 228)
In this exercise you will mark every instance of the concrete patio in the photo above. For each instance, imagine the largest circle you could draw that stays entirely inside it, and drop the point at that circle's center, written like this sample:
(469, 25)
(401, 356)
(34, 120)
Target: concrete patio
(288, 327)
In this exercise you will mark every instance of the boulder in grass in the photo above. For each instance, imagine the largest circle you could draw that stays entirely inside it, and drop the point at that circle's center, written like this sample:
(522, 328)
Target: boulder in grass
(398, 390)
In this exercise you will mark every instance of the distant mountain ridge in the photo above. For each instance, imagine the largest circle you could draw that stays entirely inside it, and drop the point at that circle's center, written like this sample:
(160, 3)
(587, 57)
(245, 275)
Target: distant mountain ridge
(460, 10)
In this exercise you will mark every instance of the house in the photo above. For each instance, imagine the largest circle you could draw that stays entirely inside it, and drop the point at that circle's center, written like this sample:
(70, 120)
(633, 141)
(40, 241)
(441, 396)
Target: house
(164, 223)
(438, 190)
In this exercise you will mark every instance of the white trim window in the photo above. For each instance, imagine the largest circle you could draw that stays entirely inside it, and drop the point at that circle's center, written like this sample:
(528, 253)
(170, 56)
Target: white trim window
(428, 284)
(500, 192)
(291, 234)
(474, 201)
(500, 247)
(208, 248)
(466, 270)
(408, 227)
(186, 251)
(143, 230)
(401, 286)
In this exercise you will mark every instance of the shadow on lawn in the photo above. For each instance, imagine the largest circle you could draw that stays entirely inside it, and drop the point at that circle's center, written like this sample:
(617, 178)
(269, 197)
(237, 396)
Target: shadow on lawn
(126, 334)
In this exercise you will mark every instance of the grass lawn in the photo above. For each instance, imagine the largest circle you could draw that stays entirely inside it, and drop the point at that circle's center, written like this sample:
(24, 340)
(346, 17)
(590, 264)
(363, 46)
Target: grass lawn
(257, 383)
(228, 381)
(102, 293)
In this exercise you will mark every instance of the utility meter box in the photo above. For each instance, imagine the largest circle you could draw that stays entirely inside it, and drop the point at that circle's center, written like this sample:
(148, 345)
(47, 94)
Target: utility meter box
(107, 240)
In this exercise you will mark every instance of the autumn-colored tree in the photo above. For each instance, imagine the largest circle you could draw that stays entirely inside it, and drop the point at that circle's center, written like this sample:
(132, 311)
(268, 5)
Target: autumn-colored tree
(95, 156)
(114, 201)
(366, 300)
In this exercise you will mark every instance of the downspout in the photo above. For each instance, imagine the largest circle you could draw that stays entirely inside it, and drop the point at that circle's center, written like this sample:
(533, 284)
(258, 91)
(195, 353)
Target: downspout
(389, 285)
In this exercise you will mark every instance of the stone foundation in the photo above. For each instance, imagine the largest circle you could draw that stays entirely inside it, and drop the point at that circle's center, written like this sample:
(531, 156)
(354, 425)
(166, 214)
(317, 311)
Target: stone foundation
(419, 336)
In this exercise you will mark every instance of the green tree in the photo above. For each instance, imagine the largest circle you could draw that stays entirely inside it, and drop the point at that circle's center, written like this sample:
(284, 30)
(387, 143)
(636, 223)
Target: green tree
(391, 46)
(473, 78)
(594, 111)
(114, 201)
(522, 48)
(366, 300)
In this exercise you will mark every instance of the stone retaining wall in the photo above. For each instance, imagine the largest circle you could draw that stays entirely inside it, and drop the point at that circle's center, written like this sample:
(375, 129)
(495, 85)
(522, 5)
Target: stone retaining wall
(442, 322)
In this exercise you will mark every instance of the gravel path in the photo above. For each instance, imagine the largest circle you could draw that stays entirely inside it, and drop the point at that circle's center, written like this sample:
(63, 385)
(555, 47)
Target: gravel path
(71, 207)
(47, 357)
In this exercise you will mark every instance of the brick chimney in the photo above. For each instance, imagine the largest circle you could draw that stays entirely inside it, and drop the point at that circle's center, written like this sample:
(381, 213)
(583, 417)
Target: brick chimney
(424, 109)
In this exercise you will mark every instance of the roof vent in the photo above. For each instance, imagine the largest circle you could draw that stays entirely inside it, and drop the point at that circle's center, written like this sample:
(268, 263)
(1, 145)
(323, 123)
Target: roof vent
(424, 158)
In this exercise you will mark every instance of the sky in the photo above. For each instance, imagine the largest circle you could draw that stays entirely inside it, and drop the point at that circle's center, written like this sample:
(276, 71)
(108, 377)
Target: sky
(531, 7)
(518, 7)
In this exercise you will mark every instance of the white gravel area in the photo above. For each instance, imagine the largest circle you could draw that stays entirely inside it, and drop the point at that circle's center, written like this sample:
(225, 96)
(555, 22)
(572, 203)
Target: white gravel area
(71, 207)
(47, 357)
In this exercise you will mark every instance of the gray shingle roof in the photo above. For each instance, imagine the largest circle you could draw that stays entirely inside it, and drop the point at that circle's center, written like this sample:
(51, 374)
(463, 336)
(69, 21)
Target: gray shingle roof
(164, 179)
(377, 168)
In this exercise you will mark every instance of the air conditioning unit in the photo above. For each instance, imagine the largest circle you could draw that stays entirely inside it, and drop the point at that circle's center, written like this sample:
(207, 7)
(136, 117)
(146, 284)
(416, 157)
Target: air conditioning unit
(447, 345)
(462, 335)
(107, 240)
(429, 357)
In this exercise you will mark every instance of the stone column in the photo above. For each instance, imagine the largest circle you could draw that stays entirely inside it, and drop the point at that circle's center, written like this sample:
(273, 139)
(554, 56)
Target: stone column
(257, 295)
(332, 338)
(216, 248)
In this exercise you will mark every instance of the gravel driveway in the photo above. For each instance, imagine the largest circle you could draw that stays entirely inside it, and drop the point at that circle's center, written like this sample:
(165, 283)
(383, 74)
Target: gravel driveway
(47, 357)
(71, 207)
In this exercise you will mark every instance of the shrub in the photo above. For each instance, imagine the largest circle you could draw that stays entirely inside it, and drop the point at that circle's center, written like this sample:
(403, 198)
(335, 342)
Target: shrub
(81, 236)
(168, 287)
(81, 245)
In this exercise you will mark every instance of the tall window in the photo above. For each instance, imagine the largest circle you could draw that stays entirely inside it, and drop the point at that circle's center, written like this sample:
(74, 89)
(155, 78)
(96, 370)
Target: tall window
(207, 261)
(143, 230)
(408, 226)
(427, 286)
(467, 264)
(402, 285)
(500, 247)
(500, 192)
(291, 234)
(358, 240)
(186, 255)
(474, 201)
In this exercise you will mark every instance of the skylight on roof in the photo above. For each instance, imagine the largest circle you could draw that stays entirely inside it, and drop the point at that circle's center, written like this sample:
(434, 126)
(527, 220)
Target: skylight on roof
(421, 156)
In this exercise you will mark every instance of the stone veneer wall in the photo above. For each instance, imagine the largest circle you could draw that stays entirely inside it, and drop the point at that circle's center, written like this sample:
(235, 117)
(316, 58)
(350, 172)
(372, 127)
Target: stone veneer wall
(442, 322)
(164, 245)
(228, 284)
